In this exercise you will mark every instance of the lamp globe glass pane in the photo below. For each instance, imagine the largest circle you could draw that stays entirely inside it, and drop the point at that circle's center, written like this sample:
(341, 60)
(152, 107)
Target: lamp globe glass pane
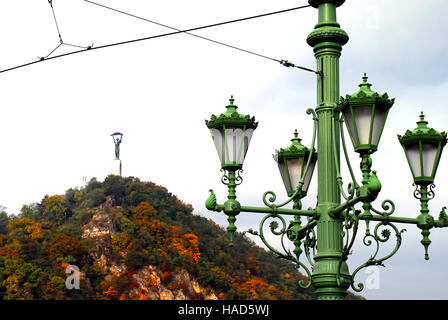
(309, 175)
(413, 154)
(218, 139)
(429, 153)
(350, 126)
(363, 119)
(234, 137)
(295, 167)
(378, 125)
(285, 176)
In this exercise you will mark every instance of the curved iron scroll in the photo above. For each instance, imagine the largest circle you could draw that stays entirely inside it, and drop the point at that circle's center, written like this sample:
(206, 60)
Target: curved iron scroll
(225, 177)
(377, 238)
(388, 206)
(284, 230)
(351, 222)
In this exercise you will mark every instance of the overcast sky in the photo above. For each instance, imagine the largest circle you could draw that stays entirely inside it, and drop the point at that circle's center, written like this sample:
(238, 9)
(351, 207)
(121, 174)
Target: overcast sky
(57, 116)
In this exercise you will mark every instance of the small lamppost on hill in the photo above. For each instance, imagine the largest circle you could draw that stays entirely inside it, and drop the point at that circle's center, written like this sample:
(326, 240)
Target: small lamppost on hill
(117, 137)
(327, 235)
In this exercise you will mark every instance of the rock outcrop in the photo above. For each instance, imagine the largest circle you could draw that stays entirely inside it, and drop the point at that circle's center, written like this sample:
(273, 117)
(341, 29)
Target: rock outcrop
(148, 282)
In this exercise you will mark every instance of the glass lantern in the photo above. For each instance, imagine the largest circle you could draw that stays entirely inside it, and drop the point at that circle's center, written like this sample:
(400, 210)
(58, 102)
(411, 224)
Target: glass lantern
(292, 162)
(231, 133)
(423, 148)
(365, 113)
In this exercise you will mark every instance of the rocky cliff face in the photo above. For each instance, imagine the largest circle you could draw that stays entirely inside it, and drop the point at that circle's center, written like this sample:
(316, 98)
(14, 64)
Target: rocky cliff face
(149, 282)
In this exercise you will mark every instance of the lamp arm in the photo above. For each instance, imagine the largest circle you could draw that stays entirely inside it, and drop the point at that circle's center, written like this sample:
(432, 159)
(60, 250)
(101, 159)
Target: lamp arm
(337, 211)
(275, 210)
(347, 159)
(313, 142)
(352, 186)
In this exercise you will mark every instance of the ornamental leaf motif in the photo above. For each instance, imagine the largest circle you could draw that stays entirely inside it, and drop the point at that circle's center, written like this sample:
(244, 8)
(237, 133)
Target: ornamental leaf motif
(273, 225)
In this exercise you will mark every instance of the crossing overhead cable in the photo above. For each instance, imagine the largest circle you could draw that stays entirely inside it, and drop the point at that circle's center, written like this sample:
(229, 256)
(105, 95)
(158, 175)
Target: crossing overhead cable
(91, 48)
(286, 63)
(61, 42)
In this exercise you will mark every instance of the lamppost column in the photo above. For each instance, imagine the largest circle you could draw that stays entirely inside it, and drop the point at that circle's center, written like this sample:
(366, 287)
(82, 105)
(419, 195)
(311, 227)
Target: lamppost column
(327, 40)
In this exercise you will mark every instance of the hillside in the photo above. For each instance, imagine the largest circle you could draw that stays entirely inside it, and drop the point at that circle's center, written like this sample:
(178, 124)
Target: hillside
(132, 240)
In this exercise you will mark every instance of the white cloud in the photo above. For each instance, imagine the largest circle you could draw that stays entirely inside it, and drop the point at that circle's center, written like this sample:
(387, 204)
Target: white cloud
(57, 116)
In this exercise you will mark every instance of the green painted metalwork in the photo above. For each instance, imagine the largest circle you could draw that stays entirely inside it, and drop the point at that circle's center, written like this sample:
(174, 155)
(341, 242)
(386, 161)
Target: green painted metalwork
(325, 235)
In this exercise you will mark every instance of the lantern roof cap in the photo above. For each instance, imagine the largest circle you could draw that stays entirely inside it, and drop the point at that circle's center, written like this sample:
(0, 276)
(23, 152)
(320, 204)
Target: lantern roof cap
(296, 145)
(231, 117)
(423, 133)
(366, 95)
(364, 89)
(294, 150)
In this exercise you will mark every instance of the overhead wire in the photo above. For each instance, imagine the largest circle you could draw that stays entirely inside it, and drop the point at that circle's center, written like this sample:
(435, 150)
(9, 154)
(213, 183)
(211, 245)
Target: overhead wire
(286, 63)
(177, 31)
(61, 42)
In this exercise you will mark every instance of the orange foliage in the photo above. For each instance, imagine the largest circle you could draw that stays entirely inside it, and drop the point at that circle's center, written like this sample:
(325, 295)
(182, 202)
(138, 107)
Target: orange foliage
(64, 265)
(29, 227)
(54, 203)
(63, 245)
(37, 231)
(143, 213)
(259, 289)
(187, 245)
(122, 297)
(6, 250)
(142, 296)
(121, 241)
(110, 292)
(18, 226)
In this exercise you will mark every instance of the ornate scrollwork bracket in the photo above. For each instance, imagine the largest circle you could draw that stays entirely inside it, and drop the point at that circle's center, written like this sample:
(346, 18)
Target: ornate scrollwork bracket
(378, 237)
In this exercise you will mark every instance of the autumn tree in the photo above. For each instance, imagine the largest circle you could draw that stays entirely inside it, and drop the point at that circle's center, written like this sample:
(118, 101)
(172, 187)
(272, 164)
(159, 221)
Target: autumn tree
(63, 245)
(54, 209)
(143, 214)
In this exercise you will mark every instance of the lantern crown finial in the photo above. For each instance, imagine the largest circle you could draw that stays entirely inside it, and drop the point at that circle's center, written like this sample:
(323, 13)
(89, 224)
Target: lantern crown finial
(231, 108)
(296, 140)
(365, 86)
(422, 124)
(422, 116)
(364, 78)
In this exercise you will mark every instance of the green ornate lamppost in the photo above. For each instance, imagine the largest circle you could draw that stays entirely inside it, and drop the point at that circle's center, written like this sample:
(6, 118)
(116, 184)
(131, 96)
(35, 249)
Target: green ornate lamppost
(325, 235)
